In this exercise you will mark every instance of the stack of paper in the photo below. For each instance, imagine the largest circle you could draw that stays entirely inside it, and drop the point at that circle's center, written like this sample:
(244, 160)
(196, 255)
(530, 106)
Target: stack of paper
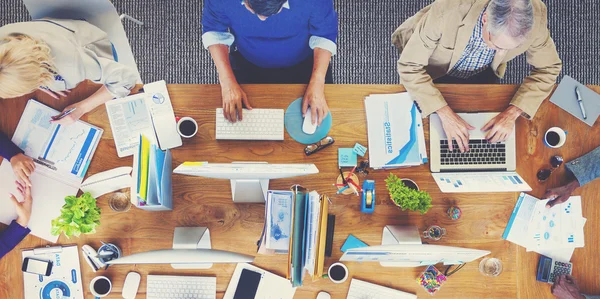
(554, 232)
(395, 130)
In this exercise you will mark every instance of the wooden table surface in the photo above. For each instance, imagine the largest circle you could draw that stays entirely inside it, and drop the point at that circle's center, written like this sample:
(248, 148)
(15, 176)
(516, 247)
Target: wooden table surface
(237, 227)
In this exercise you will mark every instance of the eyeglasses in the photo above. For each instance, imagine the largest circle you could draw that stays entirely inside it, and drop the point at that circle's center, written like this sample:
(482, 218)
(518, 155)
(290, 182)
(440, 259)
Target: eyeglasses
(323, 143)
(544, 174)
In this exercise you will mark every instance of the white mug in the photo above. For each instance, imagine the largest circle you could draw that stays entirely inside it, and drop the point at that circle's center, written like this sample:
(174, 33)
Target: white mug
(93, 290)
(184, 119)
(345, 274)
(562, 137)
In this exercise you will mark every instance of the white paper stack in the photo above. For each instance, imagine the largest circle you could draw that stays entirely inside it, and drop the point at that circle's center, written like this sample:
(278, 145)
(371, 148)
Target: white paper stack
(395, 130)
(554, 232)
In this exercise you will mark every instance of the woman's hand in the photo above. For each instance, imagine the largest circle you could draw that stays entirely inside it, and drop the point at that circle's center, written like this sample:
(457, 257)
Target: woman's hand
(77, 110)
(54, 94)
(23, 208)
(23, 167)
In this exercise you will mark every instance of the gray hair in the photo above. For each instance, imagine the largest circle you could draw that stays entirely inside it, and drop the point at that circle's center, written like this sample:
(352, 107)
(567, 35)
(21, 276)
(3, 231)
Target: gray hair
(511, 17)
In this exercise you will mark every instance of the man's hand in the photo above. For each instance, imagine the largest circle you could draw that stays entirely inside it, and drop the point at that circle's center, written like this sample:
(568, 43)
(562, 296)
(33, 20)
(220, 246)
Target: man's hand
(501, 126)
(560, 194)
(565, 287)
(455, 128)
(23, 208)
(23, 167)
(315, 98)
(234, 99)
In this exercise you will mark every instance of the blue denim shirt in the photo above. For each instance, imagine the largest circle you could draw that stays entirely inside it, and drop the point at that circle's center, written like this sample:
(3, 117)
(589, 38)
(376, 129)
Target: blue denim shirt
(587, 167)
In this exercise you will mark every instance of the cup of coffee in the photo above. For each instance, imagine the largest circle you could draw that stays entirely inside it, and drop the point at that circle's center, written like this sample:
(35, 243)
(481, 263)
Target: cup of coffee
(555, 137)
(338, 273)
(100, 286)
(187, 127)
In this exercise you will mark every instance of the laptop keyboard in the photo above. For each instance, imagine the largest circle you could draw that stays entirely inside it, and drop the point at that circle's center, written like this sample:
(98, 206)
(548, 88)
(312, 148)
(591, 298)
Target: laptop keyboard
(481, 152)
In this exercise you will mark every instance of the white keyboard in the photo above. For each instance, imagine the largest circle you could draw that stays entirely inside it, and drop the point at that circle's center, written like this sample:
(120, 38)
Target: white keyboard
(257, 124)
(181, 287)
(364, 290)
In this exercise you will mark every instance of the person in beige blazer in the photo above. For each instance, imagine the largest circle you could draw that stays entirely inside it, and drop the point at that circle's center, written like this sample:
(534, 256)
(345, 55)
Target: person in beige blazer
(467, 40)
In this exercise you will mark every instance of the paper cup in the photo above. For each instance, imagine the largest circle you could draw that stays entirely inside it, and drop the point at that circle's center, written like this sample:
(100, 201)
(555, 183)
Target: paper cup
(338, 276)
(186, 120)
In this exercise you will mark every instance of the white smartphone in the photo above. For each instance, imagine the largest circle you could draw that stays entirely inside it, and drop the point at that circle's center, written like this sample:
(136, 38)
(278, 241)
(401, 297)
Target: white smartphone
(39, 267)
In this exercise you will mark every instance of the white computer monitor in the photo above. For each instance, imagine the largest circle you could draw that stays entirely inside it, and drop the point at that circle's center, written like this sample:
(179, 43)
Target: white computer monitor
(413, 255)
(183, 256)
(249, 180)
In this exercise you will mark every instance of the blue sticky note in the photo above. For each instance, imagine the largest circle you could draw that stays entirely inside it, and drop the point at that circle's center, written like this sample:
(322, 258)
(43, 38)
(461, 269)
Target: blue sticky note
(346, 157)
(360, 149)
(353, 242)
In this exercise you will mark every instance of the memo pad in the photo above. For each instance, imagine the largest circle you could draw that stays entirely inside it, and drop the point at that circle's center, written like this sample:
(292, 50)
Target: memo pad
(293, 124)
(564, 97)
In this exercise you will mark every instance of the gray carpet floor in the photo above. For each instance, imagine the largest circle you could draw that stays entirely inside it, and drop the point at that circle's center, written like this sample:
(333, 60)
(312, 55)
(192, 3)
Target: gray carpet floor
(169, 45)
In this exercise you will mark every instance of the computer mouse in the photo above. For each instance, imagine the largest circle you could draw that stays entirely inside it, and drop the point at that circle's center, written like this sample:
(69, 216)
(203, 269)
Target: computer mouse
(323, 295)
(307, 126)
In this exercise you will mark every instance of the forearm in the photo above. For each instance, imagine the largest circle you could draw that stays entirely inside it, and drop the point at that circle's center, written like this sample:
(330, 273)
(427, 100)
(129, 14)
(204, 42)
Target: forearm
(220, 55)
(11, 237)
(98, 98)
(322, 58)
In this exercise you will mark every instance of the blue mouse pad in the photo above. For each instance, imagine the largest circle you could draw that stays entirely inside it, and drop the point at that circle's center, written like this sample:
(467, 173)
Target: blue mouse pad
(293, 124)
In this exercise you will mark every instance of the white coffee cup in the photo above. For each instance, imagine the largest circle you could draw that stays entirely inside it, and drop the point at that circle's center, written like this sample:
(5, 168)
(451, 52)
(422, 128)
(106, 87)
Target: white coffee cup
(562, 137)
(336, 266)
(184, 119)
(96, 292)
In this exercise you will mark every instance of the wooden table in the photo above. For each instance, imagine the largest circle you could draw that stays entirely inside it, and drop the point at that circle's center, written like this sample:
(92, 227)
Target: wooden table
(237, 227)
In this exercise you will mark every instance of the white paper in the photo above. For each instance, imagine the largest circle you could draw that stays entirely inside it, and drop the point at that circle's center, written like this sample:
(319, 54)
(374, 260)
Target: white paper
(67, 149)
(48, 198)
(389, 122)
(66, 275)
(312, 231)
(271, 286)
(163, 116)
(458, 182)
(129, 117)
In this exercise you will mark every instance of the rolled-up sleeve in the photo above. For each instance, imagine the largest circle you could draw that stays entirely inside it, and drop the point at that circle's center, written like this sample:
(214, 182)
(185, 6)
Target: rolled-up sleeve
(215, 24)
(323, 26)
(586, 168)
(118, 78)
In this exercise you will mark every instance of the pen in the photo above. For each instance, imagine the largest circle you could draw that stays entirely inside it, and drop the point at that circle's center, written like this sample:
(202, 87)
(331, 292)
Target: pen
(342, 190)
(580, 102)
(62, 115)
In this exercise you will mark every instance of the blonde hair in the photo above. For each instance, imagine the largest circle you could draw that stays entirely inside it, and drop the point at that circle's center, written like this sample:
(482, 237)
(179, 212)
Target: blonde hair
(25, 65)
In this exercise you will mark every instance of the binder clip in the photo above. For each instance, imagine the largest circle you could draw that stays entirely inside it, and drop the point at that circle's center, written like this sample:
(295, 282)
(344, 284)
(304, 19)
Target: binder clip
(368, 197)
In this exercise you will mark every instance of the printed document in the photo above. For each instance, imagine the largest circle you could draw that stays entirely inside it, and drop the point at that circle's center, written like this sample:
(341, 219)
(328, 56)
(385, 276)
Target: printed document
(456, 182)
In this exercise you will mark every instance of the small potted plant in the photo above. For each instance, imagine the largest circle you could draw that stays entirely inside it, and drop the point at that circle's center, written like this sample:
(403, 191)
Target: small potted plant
(79, 215)
(406, 194)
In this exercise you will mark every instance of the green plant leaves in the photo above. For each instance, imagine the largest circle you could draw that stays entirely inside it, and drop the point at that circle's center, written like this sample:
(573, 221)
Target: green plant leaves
(78, 215)
(407, 198)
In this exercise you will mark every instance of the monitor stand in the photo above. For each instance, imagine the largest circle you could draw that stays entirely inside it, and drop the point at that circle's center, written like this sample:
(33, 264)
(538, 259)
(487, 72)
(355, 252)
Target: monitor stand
(396, 234)
(249, 190)
(192, 238)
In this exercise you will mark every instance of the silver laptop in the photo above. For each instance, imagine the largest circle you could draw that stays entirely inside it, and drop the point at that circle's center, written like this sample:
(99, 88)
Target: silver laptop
(486, 167)
(483, 156)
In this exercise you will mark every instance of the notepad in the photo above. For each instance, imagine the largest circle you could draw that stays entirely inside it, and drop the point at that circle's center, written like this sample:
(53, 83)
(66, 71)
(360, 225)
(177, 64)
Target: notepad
(564, 97)
(346, 157)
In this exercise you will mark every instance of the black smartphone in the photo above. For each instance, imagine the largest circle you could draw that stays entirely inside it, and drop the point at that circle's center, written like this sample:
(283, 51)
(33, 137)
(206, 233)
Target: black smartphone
(37, 266)
(248, 285)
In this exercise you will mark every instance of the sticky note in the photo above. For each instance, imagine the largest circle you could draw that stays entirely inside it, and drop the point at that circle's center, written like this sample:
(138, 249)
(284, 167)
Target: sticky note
(346, 157)
(353, 242)
(360, 149)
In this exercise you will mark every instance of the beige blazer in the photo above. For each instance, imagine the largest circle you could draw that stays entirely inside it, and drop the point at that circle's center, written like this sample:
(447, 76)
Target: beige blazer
(432, 41)
(80, 51)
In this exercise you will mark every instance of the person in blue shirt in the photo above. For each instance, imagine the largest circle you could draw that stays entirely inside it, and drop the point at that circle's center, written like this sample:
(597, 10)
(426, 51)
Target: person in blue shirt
(271, 41)
(17, 230)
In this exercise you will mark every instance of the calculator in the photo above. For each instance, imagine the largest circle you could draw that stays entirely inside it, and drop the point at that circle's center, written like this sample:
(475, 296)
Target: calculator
(549, 269)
